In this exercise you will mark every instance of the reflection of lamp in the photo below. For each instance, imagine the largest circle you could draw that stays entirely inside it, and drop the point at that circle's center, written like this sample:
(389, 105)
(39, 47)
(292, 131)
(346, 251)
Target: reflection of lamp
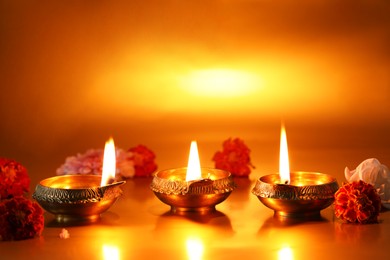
(110, 252)
(285, 253)
(195, 248)
(215, 225)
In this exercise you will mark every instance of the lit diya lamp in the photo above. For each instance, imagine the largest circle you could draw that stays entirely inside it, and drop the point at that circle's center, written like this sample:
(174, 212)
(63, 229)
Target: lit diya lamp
(295, 194)
(192, 188)
(81, 198)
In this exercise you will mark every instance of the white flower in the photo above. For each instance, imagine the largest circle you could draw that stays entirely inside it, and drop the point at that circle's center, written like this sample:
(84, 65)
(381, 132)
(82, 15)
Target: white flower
(373, 172)
(64, 234)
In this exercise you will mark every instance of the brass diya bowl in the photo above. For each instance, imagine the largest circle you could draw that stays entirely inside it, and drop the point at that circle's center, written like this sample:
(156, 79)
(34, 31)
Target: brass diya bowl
(200, 196)
(306, 195)
(76, 198)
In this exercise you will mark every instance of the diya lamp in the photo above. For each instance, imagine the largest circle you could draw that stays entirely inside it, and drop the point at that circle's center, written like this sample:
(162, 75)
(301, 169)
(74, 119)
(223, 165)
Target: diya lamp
(192, 188)
(295, 194)
(79, 199)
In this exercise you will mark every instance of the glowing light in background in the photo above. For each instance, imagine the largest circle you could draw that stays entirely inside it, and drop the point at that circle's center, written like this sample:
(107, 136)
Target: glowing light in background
(285, 253)
(195, 248)
(265, 87)
(110, 252)
(220, 83)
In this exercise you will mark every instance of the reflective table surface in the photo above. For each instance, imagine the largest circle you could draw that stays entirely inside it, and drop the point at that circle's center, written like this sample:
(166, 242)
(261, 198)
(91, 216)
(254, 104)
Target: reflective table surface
(139, 226)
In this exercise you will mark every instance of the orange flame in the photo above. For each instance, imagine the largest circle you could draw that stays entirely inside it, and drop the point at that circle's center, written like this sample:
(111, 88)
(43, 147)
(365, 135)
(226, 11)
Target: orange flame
(109, 163)
(284, 167)
(194, 171)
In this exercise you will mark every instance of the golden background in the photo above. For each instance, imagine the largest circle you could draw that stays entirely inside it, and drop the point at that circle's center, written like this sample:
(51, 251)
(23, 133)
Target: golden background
(161, 73)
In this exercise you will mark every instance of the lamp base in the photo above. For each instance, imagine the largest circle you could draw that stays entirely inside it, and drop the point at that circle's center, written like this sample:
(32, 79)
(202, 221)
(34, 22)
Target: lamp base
(77, 220)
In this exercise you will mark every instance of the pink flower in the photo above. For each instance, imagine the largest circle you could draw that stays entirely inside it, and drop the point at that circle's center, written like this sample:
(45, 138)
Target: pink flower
(20, 219)
(234, 158)
(137, 161)
(14, 180)
(91, 162)
(88, 163)
(357, 202)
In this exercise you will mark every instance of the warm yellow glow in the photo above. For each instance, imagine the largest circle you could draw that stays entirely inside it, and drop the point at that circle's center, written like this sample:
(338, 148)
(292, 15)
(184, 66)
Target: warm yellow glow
(110, 252)
(220, 83)
(193, 169)
(109, 163)
(195, 248)
(284, 167)
(285, 253)
(265, 87)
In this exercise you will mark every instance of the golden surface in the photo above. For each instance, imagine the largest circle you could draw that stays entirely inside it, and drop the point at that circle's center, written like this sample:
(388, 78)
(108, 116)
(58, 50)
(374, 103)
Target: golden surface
(139, 226)
(71, 182)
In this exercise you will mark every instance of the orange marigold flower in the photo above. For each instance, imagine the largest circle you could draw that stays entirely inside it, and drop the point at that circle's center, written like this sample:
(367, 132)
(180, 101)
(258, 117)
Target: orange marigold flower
(14, 180)
(20, 218)
(234, 157)
(357, 202)
(144, 163)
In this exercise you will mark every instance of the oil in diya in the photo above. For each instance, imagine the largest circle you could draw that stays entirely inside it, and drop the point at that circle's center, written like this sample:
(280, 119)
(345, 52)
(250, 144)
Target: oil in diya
(80, 199)
(295, 194)
(192, 188)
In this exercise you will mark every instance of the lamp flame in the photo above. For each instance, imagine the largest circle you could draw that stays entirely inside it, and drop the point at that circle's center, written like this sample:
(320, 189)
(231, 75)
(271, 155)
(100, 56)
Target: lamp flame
(109, 163)
(284, 167)
(193, 169)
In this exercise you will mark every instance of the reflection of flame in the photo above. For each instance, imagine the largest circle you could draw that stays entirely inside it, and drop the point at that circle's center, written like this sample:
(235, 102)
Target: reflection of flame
(195, 248)
(285, 253)
(284, 167)
(193, 170)
(110, 252)
(109, 163)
